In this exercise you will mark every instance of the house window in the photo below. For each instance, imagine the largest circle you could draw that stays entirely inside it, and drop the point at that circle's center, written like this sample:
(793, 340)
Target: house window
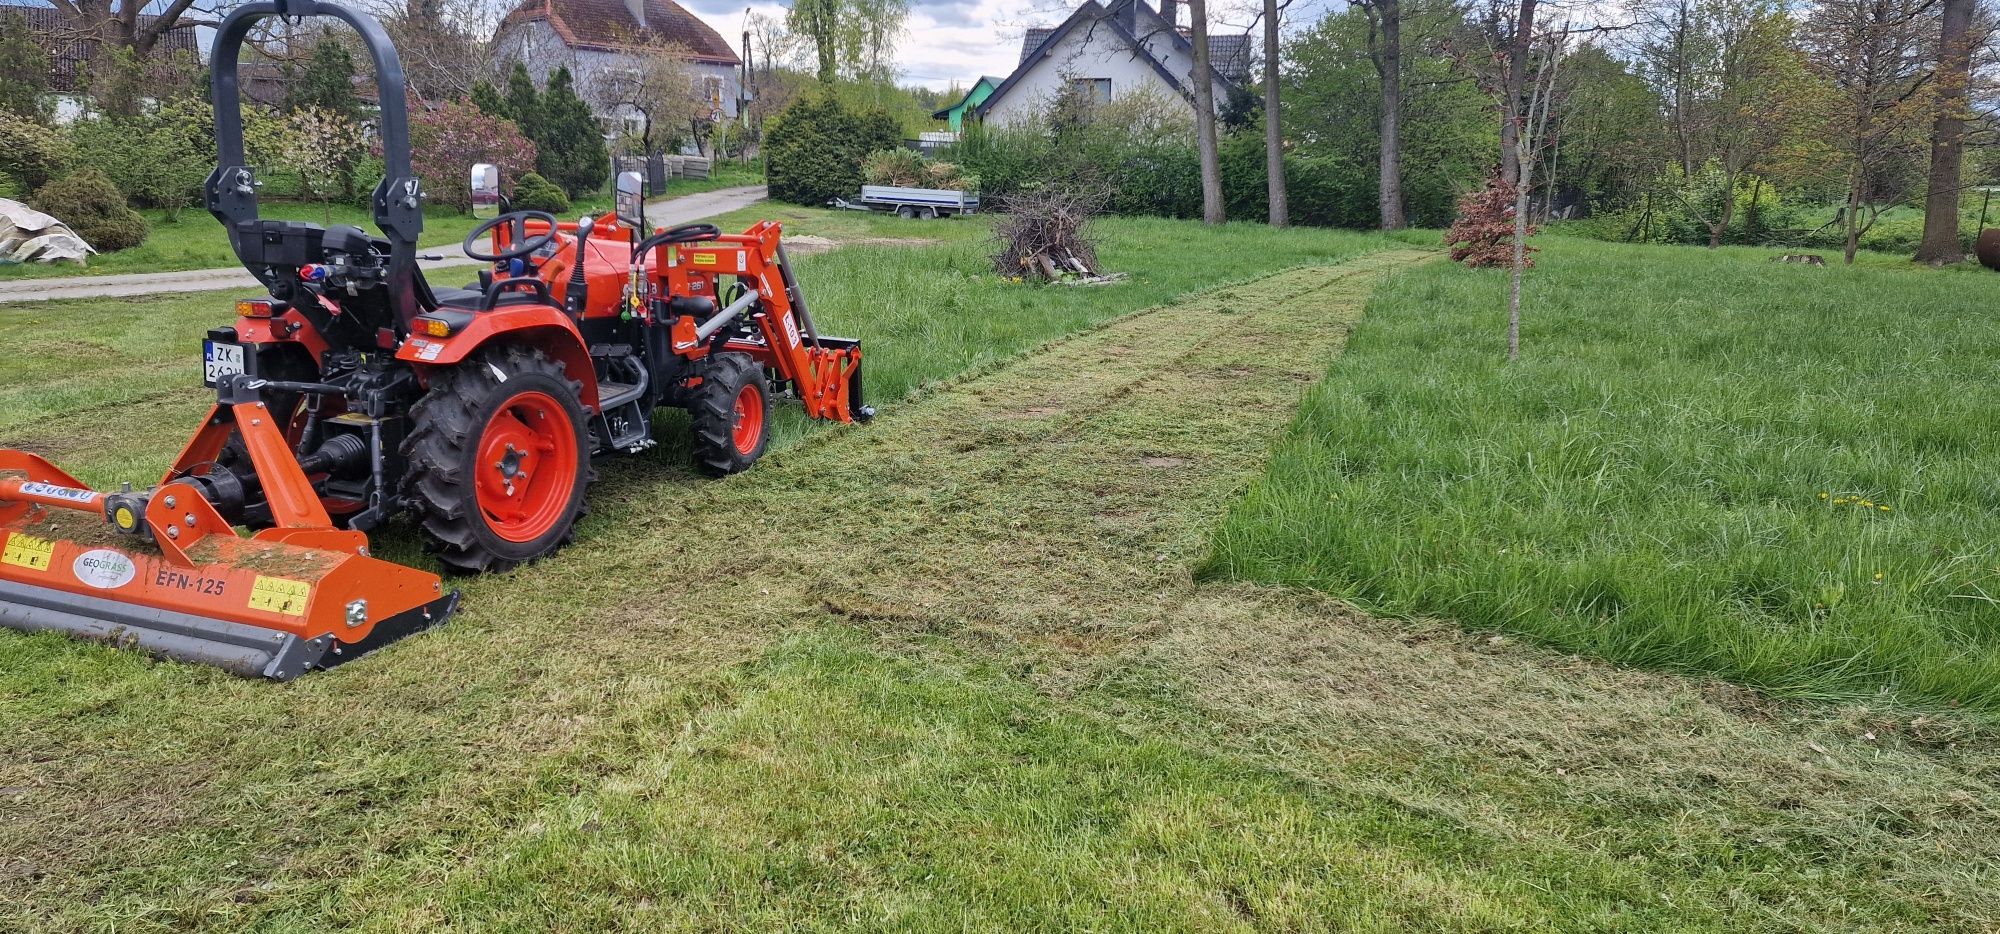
(1094, 90)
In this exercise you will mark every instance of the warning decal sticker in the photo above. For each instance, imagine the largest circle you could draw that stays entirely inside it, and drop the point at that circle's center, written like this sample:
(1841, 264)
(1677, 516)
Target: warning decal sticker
(281, 596)
(27, 551)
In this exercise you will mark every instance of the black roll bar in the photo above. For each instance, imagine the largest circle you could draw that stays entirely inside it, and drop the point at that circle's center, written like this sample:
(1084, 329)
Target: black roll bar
(398, 200)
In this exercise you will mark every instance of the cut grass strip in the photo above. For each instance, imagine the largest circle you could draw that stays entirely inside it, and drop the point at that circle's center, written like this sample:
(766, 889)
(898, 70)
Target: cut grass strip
(1704, 462)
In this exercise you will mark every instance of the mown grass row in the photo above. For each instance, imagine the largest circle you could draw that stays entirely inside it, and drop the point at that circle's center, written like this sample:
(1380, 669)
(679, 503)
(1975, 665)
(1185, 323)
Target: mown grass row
(1704, 462)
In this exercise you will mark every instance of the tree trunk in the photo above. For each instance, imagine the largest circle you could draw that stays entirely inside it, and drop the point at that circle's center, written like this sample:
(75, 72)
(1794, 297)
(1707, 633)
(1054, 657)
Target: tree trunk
(1274, 124)
(1516, 84)
(1389, 68)
(1204, 117)
(1853, 243)
(1716, 230)
(1520, 265)
(1940, 244)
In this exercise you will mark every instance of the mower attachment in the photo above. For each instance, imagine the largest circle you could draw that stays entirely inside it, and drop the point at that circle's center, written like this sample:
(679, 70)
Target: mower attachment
(163, 572)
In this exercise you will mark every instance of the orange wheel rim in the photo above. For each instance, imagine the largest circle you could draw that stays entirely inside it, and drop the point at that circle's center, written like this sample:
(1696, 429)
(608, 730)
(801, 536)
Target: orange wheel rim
(749, 419)
(526, 467)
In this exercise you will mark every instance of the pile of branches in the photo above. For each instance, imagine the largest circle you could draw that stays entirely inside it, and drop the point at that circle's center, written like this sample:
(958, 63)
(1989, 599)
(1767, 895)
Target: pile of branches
(1045, 234)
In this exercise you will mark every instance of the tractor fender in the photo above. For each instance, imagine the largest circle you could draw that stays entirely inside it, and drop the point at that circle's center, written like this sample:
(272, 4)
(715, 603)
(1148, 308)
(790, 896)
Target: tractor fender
(539, 326)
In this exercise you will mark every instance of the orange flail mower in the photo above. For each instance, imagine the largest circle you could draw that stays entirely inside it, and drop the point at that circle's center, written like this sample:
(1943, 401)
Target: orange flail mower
(355, 392)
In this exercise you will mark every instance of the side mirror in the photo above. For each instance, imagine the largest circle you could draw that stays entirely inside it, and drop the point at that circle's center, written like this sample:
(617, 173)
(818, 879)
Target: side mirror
(485, 191)
(632, 201)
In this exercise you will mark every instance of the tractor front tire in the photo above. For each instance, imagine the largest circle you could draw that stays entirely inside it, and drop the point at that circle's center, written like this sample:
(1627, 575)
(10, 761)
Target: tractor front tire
(499, 456)
(730, 414)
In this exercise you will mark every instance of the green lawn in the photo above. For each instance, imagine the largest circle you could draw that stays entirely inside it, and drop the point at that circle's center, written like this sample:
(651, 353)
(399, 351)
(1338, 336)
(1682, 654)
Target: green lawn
(949, 671)
(194, 240)
(1704, 462)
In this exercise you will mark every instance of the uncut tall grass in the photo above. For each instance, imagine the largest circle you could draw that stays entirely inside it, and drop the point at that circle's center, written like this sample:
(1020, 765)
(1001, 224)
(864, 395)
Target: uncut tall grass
(1704, 462)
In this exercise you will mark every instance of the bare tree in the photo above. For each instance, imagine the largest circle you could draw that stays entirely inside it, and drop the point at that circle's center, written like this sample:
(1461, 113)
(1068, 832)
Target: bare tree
(1204, 117)
(1274, 123)
(657, 85)
(1954, 58)
(120, 23)
(1518, 41)
(1873, 54)
(1529, 141)
(1721, 67)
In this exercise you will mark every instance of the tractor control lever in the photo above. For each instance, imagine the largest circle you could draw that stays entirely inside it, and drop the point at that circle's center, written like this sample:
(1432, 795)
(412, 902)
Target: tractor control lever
(578, 296)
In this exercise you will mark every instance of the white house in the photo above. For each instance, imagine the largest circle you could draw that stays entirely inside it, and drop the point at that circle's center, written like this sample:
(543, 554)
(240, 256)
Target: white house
(1110, 50)
(592, 37)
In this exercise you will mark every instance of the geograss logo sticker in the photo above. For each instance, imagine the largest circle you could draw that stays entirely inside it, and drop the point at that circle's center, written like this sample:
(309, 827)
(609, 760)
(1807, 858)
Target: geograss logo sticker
(104, 569)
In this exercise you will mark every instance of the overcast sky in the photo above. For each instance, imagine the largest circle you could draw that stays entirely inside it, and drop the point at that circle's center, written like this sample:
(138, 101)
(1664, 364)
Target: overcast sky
(958, 40)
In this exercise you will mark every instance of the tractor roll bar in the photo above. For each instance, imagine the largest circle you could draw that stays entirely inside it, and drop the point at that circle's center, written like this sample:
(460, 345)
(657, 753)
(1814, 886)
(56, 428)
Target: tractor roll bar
(398, 200)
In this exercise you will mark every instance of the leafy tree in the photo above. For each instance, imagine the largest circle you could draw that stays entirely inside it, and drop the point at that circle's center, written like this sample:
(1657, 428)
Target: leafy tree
(813, 151)
(570, 145)
(1721, 66)
(488, 99)
(850, 38)
(524, 102)
(325, 83)
(448, 139)
(24, 71)
(1333, 97)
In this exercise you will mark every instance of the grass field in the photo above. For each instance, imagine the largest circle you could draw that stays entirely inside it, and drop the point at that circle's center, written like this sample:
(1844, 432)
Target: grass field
(194, 240)
(1704, 462)
(949, 671)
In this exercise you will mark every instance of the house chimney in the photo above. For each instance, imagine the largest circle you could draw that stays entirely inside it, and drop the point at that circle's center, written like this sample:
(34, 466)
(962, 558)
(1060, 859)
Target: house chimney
(1170, 10)
(638, 10)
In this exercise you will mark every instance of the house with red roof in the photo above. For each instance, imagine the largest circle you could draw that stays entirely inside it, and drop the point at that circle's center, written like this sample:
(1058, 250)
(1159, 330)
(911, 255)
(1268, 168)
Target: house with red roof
(596, 37)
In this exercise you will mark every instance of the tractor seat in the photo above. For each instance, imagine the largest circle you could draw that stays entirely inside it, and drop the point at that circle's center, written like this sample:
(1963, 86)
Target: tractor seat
(464, 298)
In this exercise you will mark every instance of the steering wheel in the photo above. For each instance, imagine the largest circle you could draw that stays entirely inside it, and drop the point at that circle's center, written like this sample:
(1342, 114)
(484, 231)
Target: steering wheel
(517, 233)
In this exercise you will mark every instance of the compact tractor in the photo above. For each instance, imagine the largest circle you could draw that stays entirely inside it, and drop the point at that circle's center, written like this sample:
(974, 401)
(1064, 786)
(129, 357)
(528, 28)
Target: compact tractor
(355, 392)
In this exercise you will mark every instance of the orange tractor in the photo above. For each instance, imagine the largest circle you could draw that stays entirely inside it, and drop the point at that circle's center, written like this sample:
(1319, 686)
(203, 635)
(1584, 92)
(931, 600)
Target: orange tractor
(355, 392)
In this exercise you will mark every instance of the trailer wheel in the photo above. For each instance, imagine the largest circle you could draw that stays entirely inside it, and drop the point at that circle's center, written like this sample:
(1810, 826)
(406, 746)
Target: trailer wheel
(906, 212)
(499, 460)
(731, 415)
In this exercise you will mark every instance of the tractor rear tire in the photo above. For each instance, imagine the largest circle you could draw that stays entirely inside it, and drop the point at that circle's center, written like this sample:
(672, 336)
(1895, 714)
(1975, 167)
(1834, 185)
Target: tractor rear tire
(499, 454)
(730, 415)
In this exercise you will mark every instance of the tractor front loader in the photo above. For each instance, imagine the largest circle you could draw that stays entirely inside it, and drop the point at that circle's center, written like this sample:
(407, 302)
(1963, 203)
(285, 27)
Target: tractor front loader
(354, 393)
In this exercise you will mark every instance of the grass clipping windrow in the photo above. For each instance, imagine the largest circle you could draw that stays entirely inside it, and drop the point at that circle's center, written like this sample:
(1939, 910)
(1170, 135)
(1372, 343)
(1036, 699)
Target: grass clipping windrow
(1045, 234)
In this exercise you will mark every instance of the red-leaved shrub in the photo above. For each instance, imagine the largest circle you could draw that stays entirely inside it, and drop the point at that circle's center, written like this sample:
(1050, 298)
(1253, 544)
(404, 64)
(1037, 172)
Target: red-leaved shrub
(1483, 234)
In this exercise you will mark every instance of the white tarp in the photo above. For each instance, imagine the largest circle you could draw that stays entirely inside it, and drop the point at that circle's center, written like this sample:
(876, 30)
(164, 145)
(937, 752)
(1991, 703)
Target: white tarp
(29, 236)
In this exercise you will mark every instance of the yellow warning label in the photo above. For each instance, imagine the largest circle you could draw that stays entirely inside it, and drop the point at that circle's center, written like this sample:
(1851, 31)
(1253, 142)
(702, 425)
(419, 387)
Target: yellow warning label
(278, 595)
(703, 259)
(27, 551)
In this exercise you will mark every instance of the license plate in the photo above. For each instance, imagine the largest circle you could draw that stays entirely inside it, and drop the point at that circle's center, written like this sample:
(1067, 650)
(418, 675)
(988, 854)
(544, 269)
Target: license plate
(219, 360)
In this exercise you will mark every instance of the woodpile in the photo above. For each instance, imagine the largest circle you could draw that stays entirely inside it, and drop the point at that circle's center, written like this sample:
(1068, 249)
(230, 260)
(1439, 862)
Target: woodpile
(1045, 235)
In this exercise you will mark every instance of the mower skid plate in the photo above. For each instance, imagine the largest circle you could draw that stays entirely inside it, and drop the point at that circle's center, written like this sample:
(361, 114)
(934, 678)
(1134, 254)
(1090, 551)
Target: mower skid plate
(256, 608)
